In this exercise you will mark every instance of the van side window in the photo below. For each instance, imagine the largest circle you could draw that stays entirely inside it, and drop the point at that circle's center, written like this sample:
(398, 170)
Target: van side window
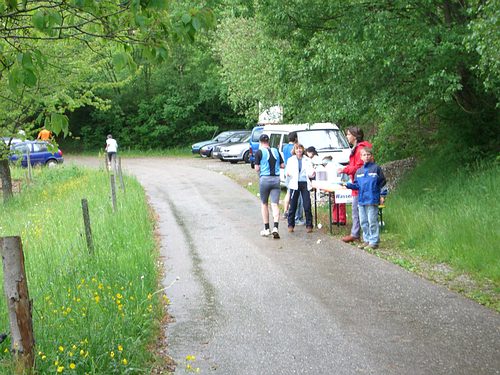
(274, 140)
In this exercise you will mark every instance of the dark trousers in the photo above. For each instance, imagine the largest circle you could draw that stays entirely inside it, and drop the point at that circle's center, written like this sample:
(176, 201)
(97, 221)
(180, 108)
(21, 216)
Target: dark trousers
(306, 200)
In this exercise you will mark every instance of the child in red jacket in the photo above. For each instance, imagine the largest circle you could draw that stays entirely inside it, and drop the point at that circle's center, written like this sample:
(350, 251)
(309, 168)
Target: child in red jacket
(355, 137)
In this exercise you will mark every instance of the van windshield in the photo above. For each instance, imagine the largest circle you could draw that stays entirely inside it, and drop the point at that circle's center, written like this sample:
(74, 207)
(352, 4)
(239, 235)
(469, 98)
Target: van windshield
(323, 139)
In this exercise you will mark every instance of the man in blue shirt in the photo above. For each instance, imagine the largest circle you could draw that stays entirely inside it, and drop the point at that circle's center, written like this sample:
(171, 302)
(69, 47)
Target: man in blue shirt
(268, 162)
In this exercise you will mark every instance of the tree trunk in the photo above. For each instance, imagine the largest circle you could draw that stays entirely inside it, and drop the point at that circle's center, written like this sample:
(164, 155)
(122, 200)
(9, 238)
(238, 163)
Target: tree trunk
(18, 302)
(6, 180)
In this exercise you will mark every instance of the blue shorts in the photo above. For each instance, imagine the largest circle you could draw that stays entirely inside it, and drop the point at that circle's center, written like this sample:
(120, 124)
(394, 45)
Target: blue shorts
(269, 186)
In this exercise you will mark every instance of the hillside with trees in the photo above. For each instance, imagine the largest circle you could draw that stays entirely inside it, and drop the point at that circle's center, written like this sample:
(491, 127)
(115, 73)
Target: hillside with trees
(159, 75)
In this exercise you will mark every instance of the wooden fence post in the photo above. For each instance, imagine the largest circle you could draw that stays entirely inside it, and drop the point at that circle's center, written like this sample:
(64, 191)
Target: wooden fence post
(28, 160)
(86, 222)
(106, 162)
(120, 174)
(113, 190)
(18, 302)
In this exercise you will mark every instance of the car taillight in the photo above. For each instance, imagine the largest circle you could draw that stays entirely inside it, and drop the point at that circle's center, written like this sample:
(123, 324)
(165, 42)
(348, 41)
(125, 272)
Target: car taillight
(250, 151)
(59, 152)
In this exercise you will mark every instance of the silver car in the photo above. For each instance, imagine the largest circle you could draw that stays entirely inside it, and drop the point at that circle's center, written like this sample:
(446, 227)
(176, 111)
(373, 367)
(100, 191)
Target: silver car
(218, 147)
(235, 152)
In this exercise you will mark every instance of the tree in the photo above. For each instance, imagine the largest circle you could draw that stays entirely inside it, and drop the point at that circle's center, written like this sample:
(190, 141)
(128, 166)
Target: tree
(77, 25)
(405, 70)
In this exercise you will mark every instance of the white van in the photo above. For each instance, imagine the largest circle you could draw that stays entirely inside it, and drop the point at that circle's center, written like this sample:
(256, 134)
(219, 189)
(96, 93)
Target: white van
(326, 137)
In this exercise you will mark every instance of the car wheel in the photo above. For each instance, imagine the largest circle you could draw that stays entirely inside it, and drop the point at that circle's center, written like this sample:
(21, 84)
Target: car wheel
(51, 163)
(246, 157)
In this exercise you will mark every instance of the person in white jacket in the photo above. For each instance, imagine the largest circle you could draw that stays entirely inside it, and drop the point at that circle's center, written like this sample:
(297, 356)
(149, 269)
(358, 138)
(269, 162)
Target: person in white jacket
(299, 170)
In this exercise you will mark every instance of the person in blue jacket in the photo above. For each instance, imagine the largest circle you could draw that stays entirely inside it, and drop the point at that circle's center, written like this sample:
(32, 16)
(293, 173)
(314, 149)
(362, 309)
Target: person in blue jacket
(368, 180)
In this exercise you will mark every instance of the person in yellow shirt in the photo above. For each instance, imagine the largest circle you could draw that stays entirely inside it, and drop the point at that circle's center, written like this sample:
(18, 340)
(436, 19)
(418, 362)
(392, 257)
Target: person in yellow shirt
(44, 134)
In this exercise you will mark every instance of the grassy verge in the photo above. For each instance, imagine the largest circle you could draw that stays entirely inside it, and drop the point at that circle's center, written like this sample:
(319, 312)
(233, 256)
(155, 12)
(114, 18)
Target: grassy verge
(92, 314)
(450, 219)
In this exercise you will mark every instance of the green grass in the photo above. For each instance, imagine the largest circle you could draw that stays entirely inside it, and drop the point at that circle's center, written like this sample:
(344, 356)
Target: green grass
(94, 313)
(451, 217)
(133, 153)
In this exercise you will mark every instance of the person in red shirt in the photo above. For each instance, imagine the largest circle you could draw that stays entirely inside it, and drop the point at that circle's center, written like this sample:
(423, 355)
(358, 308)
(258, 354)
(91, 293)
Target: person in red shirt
(355, 137)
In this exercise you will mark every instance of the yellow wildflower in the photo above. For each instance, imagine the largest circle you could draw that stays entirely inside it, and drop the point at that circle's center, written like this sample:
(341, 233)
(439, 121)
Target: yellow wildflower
(97, 299)
(72, 366)
(120, 348)
(124, 361)
(60, 369)
(61, 348)
(112, 354)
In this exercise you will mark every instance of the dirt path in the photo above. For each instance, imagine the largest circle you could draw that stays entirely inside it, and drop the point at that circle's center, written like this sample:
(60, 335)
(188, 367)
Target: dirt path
(305, 304)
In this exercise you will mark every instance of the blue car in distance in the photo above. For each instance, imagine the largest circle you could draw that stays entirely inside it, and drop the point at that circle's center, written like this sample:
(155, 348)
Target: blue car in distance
(40, 153)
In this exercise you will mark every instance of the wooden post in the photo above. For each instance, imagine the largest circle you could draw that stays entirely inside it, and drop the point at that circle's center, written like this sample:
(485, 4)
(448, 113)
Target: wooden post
(28, 160)
(18, 302)
(113, 164)
(106, 161)
(120, 174)
(86, 222)
(113, 190)
(5, 180)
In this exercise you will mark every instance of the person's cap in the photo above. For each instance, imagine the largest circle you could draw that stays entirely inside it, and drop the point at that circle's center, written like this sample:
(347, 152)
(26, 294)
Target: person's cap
(264, 138)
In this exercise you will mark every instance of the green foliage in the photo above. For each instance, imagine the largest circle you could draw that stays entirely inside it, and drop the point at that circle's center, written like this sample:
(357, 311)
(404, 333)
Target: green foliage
(33, 35)
(398, 69)
(99, 313)
(484, 40)
(170, 104)
(250, 63)
(448, 216)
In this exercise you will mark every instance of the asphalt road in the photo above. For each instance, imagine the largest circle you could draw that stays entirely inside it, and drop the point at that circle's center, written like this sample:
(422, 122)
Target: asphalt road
(304, 304)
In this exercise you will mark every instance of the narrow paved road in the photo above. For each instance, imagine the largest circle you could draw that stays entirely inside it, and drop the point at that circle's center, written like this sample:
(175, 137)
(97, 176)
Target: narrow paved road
(305, 304)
